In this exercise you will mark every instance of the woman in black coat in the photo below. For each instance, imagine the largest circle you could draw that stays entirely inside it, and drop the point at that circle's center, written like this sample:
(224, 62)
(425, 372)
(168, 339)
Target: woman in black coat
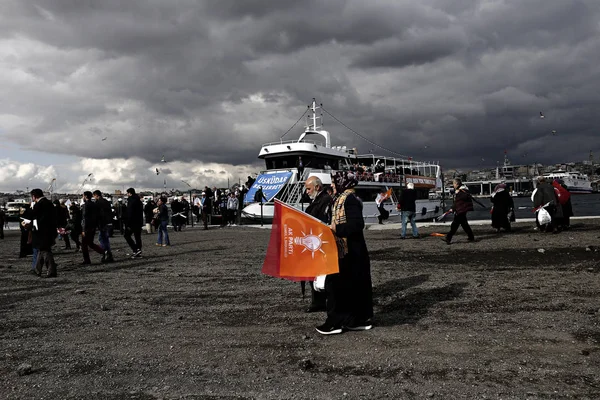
(503, 204)
(349, 292)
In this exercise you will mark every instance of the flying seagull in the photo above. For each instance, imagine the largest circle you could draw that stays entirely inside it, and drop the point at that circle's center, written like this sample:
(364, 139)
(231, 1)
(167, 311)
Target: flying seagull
(554, 132)
(157, 171)
(541, 115)
(163, 158)
(103, 139)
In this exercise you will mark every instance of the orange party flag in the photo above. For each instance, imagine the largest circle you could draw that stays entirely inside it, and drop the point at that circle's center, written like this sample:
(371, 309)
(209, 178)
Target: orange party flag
(301, 247)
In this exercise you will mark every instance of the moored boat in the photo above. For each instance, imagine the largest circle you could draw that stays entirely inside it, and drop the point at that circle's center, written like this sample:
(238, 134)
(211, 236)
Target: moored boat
(290, 163)
(576, 182)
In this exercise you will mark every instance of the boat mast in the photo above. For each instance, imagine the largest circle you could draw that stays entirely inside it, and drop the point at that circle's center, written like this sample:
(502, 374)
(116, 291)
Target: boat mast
(314, 117)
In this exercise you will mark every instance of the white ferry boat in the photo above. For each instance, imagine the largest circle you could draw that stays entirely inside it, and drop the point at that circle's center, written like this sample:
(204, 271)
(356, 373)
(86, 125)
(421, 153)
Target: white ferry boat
(576, 182)
(282, 180)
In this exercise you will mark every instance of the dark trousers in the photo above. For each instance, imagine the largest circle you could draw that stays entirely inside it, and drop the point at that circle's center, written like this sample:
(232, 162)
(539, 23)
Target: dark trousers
(67, 241)
(88, 242)
(137, 234)
(317, 299)
(205, 220)
(45, 257)
(75, 236)
(338, 299)
(460, 220)
(25, 248)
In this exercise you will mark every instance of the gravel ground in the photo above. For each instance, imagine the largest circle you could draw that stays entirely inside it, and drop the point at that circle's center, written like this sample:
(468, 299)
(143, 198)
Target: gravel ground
(499, 318)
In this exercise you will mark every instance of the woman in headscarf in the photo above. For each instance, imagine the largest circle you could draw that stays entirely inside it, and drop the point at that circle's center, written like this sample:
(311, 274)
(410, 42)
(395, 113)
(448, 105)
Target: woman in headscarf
(503, 204)
(349, 292)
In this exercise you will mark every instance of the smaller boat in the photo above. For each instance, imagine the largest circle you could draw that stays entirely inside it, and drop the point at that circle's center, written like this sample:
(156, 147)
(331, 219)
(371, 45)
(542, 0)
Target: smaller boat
(576, 182)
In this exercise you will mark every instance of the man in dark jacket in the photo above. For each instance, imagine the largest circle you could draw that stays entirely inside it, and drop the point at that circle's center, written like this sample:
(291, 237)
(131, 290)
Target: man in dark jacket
(320, 207)
(176, 209)
(89, 223)
(135, 221)
(463, 203)
(44, 232)
(105, 218)
(408, 209)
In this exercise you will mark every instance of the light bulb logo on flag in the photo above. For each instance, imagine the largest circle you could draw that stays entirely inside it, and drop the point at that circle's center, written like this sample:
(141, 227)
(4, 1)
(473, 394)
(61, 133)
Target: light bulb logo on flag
(310, 242)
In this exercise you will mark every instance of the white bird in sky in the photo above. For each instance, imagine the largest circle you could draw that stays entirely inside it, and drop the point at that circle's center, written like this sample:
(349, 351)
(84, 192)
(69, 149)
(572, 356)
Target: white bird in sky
(163, 158)
(541, 115)
(554, 132)
(104, 138)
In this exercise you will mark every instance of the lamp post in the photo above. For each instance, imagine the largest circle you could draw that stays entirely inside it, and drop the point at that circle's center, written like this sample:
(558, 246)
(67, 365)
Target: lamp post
(190, 202)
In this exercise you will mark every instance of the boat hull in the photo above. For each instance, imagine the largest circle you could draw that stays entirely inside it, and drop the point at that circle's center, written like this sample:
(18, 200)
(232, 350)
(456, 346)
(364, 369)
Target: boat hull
(426, 211)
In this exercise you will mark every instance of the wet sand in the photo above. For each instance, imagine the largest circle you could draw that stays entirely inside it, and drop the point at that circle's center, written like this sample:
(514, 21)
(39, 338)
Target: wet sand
(497, 318)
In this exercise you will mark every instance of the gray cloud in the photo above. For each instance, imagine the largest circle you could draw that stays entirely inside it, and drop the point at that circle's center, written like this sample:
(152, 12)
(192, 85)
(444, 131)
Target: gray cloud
(444, 80)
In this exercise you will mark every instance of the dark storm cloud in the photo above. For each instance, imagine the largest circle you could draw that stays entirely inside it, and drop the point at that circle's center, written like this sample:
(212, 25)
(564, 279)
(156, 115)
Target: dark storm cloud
(445, 80)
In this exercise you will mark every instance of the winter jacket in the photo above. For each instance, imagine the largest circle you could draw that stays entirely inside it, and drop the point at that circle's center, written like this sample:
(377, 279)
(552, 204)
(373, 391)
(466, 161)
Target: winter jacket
(463, 202)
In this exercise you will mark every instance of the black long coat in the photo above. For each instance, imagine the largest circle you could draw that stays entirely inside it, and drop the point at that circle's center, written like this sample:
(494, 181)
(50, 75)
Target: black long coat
(45, 214)
(352, 288)
(502, 202)
(135, 212)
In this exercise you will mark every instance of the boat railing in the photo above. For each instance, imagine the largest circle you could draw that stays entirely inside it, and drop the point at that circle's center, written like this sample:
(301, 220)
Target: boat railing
(292, 194)
(316, 142)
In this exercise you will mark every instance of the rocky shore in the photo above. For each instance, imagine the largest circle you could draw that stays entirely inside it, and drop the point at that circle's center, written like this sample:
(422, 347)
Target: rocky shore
(510, 316)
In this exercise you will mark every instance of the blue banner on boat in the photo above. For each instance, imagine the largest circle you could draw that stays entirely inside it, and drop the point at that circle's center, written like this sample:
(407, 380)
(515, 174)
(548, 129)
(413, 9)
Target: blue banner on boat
(271, 185)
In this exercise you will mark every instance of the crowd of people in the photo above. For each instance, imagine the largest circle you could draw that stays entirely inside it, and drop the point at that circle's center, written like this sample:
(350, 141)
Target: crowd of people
(43, 222)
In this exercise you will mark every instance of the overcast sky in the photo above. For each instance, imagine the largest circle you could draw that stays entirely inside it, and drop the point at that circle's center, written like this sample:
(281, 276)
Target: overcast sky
(205, 83)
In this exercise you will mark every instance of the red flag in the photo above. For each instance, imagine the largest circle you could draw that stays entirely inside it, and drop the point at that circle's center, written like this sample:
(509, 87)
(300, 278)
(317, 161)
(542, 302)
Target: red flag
(301, 247)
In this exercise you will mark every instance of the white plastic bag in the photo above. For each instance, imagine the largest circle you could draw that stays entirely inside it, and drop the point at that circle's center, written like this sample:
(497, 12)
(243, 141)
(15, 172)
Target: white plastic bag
(319, 283)
(543, 216)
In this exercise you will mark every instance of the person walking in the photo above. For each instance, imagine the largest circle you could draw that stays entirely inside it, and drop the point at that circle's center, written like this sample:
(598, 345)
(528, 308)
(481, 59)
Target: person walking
(196, 206)
(176, 209)
(503, 205)
(383, 213)
(75, 222)
(408, 210)
(545, 197)
(349, 292)
(62, 217)
(149, 215)
(463, 203)
(320, 208)
(44, 233)
(163, 217)
(2, 220)
(26, 212)
(89, 223)
(232, 206)
(135, 221)
(206, 209)
(105, 219)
